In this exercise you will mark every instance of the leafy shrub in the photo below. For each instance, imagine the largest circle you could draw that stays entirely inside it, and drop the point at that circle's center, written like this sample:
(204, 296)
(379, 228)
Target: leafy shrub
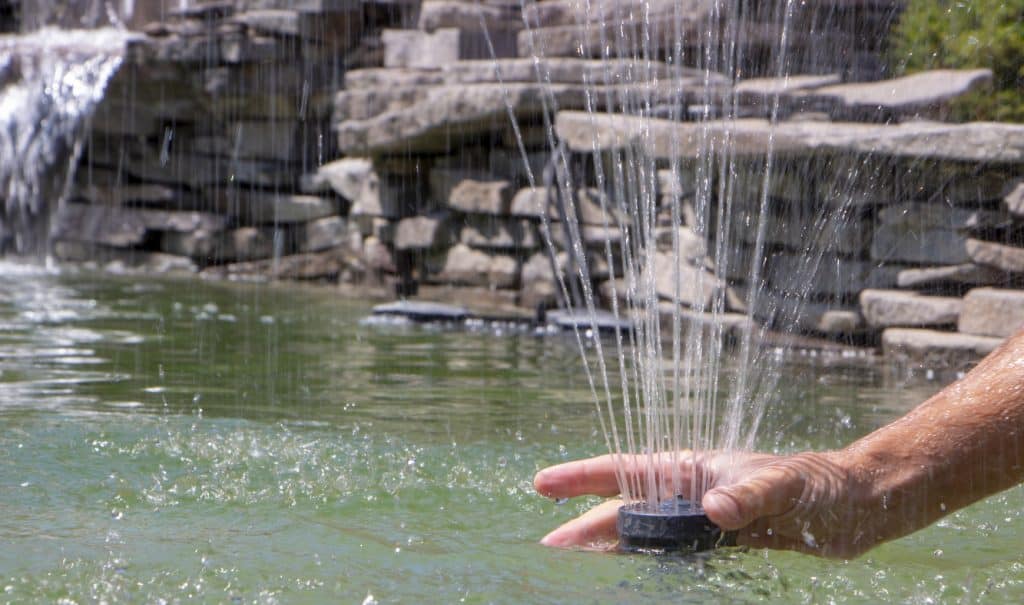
(934, 34)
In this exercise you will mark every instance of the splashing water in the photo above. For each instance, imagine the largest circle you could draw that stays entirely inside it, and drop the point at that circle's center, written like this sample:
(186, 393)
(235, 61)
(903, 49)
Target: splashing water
(50, 82)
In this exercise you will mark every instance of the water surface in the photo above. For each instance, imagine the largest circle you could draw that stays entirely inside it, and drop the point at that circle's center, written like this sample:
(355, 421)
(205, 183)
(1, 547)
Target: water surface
(182, 441)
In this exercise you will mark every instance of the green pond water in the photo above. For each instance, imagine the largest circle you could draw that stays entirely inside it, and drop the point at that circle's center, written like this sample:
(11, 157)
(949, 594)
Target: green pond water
(181, 441)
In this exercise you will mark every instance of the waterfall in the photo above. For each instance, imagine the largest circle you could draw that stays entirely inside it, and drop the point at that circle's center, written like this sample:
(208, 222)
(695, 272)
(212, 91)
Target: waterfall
(50, 82)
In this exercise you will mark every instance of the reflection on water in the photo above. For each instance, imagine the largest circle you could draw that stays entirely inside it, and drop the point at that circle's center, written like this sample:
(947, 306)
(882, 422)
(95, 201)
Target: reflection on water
(177, 440)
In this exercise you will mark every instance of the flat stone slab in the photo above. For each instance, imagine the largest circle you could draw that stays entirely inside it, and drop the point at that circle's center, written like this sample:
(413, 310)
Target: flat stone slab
(992, 312)
(1000, 256)
(967, 274)
(892, 308)
(666, 139)
(581, 319)
(917, 93)
(422, 311)
(934, 349)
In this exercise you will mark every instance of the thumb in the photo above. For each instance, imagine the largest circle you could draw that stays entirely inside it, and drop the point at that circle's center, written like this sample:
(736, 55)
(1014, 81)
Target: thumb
(767, 492)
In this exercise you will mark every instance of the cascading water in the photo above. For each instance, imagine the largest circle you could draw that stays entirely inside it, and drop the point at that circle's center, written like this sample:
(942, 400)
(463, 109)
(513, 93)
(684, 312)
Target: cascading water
(50, 82)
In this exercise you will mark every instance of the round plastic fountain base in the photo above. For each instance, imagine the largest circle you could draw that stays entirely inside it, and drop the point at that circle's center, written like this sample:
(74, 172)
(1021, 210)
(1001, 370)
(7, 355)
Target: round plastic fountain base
(677, 526)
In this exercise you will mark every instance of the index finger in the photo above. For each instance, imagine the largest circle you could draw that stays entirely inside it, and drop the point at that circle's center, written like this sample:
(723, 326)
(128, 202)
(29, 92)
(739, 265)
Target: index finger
(598, 476)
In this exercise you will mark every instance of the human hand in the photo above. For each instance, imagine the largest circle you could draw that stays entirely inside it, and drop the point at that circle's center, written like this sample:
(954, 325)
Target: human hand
(809, 502)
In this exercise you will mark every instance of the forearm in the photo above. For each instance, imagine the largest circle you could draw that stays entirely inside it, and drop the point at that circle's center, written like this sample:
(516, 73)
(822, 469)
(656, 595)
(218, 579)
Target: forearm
(963, 444)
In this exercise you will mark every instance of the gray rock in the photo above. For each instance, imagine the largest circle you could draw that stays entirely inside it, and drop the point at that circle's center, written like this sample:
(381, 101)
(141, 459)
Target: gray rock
(324, 233)
(593, 72)
(120, 259)
(692, 247)
(529, 203)
(923, 215)
(695, 287)
(244, 244)
(582, 319)
(347, 177)
(922, 94)
(493, 233)
(242, 48)
(508, 164)
(1007, 258)
(800, 275)
(471, 16)
(465, 266)
(366, 103)
(377, 256)
(1014, 198)
(798, 314)
(592, 236)
(895, 308)
(393, 77)
(954, 275)
(422, 311)
(971, 142)
(758, 91)
(992, 312)
(481, 197)
(732, 326)
(677, 181)
(934, 349)
(253, 207)
(536, 281)
(828, 233)
(270, 21)
(107, 225)
(422, 233)
(911, 244)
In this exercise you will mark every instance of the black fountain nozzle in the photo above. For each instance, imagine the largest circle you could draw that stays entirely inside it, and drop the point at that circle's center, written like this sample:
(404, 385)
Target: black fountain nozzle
(676, 526)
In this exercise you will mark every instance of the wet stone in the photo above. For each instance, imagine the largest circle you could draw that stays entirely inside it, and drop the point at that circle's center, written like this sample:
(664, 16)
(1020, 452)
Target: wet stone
(1000, 256)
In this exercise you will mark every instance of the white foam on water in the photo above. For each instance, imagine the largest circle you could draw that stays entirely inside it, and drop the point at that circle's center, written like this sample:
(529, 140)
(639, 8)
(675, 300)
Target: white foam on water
(50, 83)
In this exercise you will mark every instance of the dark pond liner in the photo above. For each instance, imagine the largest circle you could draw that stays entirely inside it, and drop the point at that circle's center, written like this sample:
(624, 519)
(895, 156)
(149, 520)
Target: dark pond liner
(677, 527)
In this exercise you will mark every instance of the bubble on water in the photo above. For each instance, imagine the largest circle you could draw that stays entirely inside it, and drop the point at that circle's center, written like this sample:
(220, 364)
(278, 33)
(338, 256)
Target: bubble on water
(267, 319)
(937, 552)
(502, 462)
(369, 600)
(561, 501)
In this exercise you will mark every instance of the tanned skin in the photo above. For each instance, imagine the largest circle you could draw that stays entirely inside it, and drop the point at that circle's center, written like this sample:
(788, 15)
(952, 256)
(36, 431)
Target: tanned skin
(959, 446)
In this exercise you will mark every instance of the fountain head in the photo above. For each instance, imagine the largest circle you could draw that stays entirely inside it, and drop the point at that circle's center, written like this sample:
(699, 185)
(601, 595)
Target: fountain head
(676, 526)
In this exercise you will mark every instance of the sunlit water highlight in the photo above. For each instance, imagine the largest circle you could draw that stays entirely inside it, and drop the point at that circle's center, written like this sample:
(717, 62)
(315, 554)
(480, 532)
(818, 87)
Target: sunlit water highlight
(166, 441)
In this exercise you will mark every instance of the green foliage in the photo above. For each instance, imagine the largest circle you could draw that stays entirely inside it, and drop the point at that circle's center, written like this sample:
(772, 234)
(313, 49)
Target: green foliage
(934, 34)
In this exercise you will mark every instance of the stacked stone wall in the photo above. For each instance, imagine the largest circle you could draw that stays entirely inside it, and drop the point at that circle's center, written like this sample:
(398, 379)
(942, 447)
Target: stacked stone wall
(412, 146)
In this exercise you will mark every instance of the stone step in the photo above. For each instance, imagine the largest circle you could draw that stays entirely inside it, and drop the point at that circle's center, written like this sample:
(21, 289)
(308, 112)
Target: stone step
(932, 349)
(992, 312)
(898, 308)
